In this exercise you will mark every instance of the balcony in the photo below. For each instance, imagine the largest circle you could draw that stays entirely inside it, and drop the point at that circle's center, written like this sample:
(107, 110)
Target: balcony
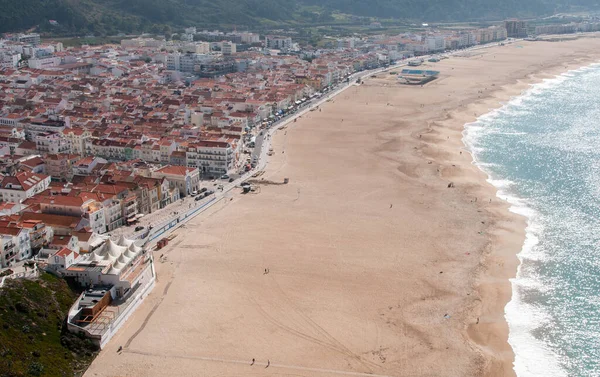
(36, 236)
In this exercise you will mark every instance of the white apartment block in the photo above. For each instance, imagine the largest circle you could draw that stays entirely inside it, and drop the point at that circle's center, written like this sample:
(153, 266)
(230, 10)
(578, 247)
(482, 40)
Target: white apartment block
(196, 47)
(14, 245)
(250, 38)
(39, 126)
(44, 62)
(183, 62)
(228, 48)
(77, 140)
(9, 59)
(493, 33)
(53, 143)
(210, 157)
(435, 43)
(467, 39)
(278, 43)
(32, 38)
(24, 185)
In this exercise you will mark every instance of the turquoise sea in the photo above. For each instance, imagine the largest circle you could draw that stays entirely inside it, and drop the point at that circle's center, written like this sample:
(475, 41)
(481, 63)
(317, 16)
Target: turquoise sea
(542, 151)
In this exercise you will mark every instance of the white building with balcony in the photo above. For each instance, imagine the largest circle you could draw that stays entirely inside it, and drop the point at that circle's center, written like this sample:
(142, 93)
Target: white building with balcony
(210, 157)
(53, 143)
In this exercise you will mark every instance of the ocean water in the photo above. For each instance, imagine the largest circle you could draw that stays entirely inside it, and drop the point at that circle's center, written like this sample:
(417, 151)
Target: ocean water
(542, 151)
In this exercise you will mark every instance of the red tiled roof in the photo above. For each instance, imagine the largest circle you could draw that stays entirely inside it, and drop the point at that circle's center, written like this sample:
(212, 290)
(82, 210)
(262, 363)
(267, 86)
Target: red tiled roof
(175, 170)
(64, 252)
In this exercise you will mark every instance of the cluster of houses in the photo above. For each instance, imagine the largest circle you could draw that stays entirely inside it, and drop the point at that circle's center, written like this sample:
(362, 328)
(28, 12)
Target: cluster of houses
(37, 211)
(107, 136)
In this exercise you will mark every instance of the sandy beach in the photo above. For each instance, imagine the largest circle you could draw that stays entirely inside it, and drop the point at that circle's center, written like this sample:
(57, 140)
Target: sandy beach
(375, 266)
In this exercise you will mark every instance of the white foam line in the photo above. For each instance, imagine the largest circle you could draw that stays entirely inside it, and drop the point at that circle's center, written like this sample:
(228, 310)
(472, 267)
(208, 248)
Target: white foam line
(247, 362)
(533, 358)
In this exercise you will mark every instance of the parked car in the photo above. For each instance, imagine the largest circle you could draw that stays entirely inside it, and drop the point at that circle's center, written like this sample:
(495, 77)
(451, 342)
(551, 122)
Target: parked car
(224, 176)
(199, 197)
(203, 189)
(209, 192)
(194, 193)
(231, 180)
(138, 228)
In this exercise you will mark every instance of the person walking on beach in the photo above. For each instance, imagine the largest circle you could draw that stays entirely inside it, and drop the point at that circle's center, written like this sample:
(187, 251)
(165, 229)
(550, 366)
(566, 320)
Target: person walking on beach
(391, 205)
(252, 362)
(268, 363)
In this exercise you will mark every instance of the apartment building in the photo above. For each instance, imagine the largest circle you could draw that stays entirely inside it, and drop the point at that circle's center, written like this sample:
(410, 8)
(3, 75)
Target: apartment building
(186, 179)
(39, 126)
(228, 48)
(278, 43)
(32, 38)
(556, 29)
(21, 186)
(60, 166)
(77, 137)
(55, 143)
(210, 157)
(14, 245)
(89, 209)
(110, 149)
(39, 234)
(435, 43)
(249, 38)
(491, 34)
(87, 165)
(44, 62)
(516, 28)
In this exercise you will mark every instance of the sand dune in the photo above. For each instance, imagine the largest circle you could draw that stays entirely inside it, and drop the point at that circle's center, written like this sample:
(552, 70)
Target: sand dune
(376, 267)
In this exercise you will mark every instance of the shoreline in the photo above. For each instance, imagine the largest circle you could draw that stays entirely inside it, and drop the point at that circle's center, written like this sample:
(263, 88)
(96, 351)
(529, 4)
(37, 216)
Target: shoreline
(355, 287)
(495, 281)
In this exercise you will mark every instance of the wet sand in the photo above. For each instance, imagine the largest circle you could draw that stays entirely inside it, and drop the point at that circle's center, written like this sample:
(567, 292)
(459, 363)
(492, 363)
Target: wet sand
(376, 267)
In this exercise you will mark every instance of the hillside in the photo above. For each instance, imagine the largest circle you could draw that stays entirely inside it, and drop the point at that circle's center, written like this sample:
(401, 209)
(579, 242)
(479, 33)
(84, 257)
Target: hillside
(102, 17)
(33, 336)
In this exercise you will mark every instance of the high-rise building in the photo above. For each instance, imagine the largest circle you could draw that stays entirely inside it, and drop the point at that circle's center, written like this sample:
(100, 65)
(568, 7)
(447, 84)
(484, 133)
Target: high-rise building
(435, 43)
(491, 34)
(228, 48)
(278, 43)
(516, 28)
(250, 38)
(32, 38)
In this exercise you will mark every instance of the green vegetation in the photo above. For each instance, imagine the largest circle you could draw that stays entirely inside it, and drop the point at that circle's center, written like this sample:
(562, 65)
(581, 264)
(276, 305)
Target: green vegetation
(34, 340)
(111, 17)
